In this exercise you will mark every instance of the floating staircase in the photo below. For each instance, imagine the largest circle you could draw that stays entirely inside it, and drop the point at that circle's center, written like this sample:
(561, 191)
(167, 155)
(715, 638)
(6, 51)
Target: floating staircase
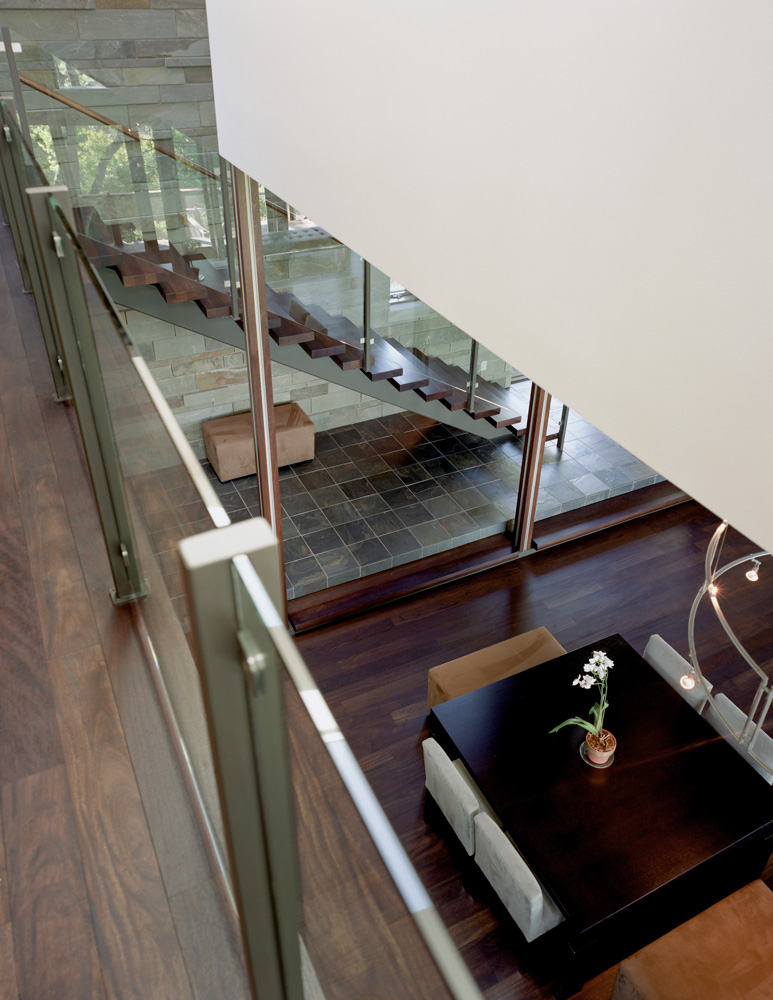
(292, 322)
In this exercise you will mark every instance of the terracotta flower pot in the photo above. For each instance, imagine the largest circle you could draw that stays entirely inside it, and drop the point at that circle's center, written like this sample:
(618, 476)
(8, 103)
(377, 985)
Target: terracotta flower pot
(600, 748)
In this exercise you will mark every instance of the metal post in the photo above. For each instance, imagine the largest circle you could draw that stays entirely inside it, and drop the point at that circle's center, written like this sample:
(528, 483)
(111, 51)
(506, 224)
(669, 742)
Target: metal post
(255, 323)
(171, 196)
(366, 339)
(143, 208)
(64, 287)
(228, 232)
(531, 468)
(472, 385)
(241, 680)
(16, 84)
(562, 427)
(13, 181)
(12, 187)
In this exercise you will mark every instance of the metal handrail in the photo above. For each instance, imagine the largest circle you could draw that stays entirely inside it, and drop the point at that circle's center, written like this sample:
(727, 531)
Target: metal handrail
(104, 120)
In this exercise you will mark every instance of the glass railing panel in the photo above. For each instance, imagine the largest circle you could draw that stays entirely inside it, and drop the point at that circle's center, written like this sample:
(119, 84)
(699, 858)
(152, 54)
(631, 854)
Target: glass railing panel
(590, 467)
(144, 187)
(313, 279)
(418, 332)
(362, 903)
(170, 498)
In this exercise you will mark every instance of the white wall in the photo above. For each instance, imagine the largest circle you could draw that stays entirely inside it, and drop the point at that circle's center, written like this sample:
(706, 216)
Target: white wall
(626, 152)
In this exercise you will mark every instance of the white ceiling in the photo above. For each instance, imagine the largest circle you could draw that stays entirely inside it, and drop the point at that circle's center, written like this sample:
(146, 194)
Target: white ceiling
(583, 187)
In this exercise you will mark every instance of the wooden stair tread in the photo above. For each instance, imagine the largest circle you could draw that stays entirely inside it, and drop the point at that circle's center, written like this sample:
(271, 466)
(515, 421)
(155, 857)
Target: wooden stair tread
(615, 510)
(435, 390)
(456, 400)
(349, 359)
(408, 380)
(505, 418)
(89, 222)
(483, 409)
(381, 368)
(214, 304)
(322, 346)
(99, 253)
(288, 331)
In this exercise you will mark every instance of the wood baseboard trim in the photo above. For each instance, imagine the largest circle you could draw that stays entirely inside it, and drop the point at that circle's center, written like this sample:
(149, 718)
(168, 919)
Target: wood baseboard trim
(358, 596)
(617, 510)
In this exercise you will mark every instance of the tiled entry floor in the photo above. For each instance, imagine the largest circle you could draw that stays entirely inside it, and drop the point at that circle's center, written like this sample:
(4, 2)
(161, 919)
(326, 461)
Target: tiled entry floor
(388, 491)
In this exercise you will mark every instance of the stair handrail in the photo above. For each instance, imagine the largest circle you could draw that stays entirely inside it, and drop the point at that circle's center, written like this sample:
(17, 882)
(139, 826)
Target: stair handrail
(104, 120)
(129, 133)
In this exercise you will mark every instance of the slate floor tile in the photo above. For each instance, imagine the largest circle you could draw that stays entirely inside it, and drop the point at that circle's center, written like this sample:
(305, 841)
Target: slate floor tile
(369, 552)
(340, 513)
(354, 488)
(355, 531)
(323, 541)
(312, 520)
(414, 513)
(400, 542)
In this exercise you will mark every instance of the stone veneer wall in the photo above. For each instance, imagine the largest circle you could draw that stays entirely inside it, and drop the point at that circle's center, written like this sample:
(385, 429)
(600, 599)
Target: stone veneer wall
(152, 54)
(203, 378)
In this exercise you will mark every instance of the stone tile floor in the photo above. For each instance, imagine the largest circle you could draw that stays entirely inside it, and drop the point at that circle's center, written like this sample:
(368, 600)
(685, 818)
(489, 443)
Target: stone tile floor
(388, 491)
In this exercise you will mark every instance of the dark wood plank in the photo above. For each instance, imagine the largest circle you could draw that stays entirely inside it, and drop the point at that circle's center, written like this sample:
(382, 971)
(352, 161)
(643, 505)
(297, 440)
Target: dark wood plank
(360, 937)
(211, 951)
(66, 446)
(27, 719)
(66, 617)
(637, 578)
(54, 944)
(5, 906)
(7, 482)
(9, 989)
(138, 946)
(181, 854)
(27, 441)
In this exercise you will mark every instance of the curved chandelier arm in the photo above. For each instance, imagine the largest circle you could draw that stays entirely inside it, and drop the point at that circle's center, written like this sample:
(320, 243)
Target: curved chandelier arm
(712, 573)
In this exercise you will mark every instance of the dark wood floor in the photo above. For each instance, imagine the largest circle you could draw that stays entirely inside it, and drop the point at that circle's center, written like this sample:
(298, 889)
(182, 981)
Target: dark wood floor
(105, 886)
(106, 890)
(635, 579)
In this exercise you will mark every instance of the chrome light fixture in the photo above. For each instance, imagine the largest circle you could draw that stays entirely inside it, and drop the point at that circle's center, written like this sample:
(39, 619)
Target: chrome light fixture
(764, 696)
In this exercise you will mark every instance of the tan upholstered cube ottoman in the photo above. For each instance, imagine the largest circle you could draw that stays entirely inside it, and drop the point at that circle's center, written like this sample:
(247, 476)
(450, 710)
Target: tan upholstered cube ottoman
(475, 670)
(724, 953)
(230, 445)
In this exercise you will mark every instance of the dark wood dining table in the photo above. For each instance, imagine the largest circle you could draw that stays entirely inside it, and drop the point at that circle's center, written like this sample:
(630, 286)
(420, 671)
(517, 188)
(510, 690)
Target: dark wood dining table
(678, 821)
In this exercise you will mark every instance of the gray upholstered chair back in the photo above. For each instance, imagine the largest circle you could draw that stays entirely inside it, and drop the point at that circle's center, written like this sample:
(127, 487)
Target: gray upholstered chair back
(671, 666)
(513, 881)
(454, 796)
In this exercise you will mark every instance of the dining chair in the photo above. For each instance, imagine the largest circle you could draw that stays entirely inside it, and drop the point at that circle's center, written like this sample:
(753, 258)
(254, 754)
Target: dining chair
(454, 791)
(763, 745)
(530, 906)
(490, 664)
(672, 667)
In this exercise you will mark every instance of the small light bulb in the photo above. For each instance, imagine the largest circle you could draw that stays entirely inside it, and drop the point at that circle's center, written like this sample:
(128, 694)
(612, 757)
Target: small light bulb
(713, 589)
(752, 575)
(687, 682)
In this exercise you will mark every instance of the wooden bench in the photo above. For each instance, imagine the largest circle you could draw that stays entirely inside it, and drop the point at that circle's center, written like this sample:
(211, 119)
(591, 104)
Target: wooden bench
(725, 953)
(230, 444)
(475, 670)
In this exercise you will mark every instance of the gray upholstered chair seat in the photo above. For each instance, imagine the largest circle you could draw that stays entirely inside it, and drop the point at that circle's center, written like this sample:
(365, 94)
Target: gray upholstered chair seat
(530, 906)
(763, 745)
(671, 666)
(456, 794)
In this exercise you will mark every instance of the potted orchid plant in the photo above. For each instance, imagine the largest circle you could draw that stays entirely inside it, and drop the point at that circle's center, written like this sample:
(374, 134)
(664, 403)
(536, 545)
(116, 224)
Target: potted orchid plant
(599, 742)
